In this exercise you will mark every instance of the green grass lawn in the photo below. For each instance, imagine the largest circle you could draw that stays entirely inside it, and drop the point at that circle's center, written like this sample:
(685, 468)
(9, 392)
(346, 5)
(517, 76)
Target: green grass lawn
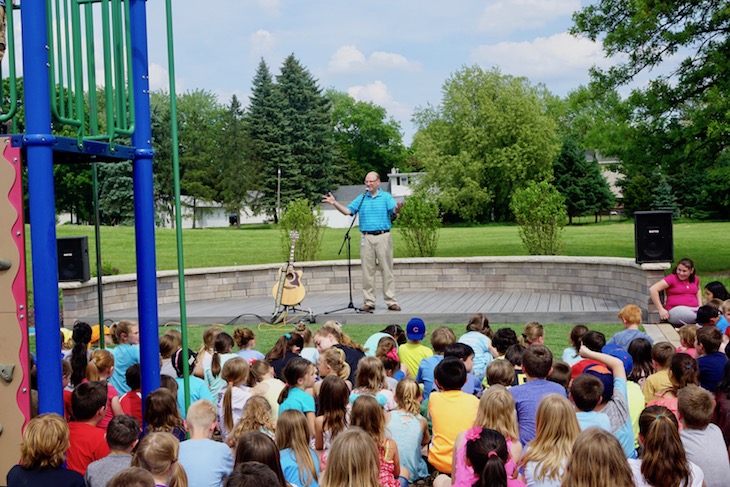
(260, 244)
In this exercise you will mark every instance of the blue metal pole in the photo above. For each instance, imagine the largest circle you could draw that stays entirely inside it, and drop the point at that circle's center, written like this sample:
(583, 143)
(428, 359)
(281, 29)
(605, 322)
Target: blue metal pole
(39, 152)
(144, 203)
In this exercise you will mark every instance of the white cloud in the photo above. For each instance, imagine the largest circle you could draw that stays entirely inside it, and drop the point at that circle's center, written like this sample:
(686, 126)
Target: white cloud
(377, 92)
(262, 43)
(560, 57)
(349, 59)
(160, 79)
(504, 16)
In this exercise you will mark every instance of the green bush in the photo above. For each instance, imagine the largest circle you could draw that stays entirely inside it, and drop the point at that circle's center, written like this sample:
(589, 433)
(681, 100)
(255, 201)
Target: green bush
(107, 269)
(303, 216)
(419, 222)
(541, 214)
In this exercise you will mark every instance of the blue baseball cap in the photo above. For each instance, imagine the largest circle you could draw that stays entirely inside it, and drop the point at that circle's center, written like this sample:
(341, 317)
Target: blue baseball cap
(416, 329)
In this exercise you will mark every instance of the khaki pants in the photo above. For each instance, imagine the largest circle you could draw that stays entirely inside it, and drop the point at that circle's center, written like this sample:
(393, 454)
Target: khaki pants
(376, 251)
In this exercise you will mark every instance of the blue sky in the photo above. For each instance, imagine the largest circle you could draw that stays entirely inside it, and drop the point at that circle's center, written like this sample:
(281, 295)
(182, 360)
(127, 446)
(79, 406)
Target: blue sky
(395, 53)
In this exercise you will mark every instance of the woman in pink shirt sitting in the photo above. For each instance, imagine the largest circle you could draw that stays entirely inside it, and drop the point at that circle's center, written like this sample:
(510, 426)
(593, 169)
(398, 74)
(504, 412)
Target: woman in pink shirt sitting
(683, 294)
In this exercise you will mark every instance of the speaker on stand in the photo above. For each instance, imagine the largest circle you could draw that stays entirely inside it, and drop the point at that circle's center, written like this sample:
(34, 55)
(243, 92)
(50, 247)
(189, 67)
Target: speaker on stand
(653, 237)
(73, 259)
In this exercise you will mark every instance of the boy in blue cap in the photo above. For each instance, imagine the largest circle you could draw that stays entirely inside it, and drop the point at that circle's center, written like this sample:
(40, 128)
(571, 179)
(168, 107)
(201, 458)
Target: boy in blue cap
(413, 352)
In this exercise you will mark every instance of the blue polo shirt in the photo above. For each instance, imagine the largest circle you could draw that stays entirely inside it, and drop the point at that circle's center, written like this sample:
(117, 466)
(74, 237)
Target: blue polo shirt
(375, 211)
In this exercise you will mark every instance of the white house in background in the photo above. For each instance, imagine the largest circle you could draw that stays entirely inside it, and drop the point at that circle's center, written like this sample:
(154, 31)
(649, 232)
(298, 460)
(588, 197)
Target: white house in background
(398, 184)
(208, 214)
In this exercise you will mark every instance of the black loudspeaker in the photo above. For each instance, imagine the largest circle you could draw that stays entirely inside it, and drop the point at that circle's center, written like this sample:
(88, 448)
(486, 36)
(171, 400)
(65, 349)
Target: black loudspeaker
(653, 236)
(73, 259)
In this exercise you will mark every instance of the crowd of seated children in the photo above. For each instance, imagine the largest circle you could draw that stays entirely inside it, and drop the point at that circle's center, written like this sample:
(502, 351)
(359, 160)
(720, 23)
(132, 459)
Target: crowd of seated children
(529, 428)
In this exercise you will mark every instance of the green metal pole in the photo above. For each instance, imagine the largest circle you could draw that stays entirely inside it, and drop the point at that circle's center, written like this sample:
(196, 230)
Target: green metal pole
(178, 215)
(97, 235)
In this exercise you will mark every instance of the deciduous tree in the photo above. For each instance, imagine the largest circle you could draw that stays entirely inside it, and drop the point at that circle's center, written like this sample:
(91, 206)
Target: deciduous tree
(490, 135)
(365, 137)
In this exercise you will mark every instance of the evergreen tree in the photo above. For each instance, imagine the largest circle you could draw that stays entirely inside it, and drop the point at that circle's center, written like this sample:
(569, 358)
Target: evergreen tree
(236, 180)
(580, 181)
(664, 198)
(116, 193)
(262, 128)
(307, 155)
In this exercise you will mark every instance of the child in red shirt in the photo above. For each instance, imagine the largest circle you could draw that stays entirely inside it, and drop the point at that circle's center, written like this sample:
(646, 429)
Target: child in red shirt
(132, 401)
(88, 443)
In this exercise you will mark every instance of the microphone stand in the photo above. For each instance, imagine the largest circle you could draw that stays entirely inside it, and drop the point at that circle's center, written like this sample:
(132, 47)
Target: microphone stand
(346, 241)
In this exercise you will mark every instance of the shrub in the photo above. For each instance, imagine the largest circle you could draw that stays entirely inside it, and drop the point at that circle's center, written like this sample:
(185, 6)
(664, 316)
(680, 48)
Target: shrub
(303, 216)
(419, 222)
(541, 214)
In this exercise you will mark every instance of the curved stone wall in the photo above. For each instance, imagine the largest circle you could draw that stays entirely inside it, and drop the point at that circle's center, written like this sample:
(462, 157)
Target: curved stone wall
(606, 277)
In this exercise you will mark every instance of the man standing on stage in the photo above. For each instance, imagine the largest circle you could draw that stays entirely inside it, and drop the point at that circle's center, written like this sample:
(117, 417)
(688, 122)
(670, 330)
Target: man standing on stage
(376, 209)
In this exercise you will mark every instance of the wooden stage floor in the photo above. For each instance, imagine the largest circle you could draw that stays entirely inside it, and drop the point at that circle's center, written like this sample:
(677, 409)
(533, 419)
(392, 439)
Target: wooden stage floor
(433, 307)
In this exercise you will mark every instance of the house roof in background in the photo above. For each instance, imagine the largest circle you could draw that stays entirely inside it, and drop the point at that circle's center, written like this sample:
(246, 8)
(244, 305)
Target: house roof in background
(346, 194)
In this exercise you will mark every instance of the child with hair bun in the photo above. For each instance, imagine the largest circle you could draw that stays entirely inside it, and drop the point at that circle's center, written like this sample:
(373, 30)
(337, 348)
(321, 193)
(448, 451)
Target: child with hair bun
(486, 451)
(246, 341)
(264, 382)
(478, 336)
(125, 334)
(409, 429)
(205, 352)
(308, 351)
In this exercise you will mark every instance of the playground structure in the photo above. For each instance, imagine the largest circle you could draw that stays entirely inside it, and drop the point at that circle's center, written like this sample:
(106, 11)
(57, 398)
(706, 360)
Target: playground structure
(60, 61)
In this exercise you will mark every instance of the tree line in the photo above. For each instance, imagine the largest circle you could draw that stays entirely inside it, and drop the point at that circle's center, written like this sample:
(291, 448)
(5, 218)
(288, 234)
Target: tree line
(490, 135)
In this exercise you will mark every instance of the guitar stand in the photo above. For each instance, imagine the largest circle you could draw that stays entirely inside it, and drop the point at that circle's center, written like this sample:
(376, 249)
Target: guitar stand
(280, 315)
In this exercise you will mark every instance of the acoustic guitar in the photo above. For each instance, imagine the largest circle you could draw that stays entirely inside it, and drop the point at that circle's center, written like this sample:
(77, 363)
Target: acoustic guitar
(289, 290)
